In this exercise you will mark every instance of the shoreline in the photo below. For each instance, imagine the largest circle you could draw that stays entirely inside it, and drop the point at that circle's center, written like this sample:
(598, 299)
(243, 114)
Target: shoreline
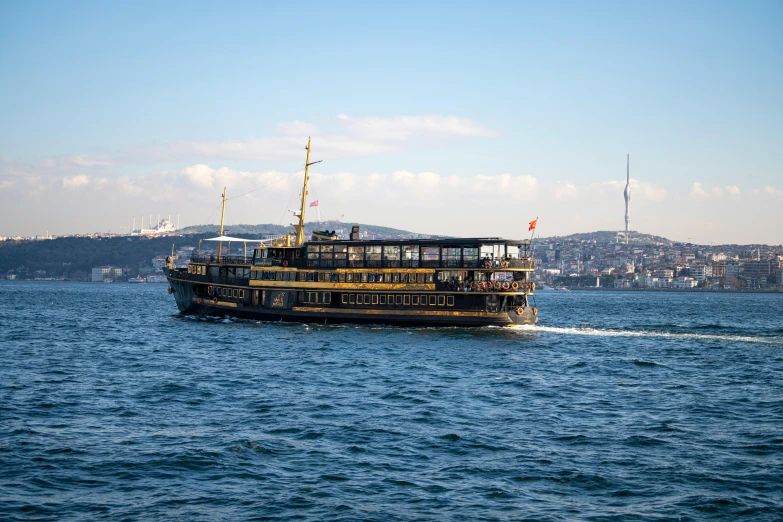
(701, 290)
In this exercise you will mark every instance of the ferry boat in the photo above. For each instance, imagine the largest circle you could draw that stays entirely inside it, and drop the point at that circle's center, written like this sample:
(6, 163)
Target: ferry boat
(427, 282)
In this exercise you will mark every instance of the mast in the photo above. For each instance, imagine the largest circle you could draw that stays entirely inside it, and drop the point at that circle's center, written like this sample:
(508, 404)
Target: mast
(300, 226)
(222, 216)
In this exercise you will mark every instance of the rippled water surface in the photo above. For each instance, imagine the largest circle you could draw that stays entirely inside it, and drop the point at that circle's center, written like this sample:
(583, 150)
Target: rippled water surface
(626, 406)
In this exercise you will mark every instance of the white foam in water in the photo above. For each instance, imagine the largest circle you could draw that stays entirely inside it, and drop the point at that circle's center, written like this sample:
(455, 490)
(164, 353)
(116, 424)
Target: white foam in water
(598, 332)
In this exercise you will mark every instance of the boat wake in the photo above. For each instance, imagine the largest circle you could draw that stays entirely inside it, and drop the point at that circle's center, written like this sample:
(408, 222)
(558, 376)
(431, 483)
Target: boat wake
(690, 336)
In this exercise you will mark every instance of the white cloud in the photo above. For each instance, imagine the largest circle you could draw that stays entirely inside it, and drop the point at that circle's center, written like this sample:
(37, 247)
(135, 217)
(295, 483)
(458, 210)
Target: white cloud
(772, 191)
(405, 128)
(730, 191)
(733, 191)
(565, 192)
(75, 181)
(200, 175)
(359, 137)
(697, 192)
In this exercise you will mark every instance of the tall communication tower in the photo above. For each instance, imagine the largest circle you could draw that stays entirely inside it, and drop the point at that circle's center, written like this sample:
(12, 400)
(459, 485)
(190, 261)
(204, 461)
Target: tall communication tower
(627, 197)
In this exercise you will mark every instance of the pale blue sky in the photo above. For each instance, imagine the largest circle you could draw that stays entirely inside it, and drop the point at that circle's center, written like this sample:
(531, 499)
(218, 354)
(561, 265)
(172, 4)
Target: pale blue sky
(560, 92)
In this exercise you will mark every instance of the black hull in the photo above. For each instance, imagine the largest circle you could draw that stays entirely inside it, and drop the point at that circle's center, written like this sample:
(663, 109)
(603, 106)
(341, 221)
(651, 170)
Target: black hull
(189, 303)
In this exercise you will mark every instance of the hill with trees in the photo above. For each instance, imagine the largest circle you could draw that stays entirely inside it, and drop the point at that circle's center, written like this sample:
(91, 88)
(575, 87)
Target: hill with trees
(74, 257)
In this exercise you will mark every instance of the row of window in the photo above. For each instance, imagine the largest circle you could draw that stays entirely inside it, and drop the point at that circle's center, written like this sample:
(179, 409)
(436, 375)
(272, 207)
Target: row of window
(409, 252)
(398, 299)
(342, 277)
(315, 297)
(197, 269)
(226, 292)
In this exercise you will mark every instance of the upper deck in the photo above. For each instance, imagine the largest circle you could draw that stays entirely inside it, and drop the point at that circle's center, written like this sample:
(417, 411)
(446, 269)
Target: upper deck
(411, 253)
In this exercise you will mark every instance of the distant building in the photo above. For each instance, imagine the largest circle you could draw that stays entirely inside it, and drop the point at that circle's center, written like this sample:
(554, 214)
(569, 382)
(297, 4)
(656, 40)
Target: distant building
(757, 269)
(685, 282)
(101, 273)
(701, 272)
(159, 262)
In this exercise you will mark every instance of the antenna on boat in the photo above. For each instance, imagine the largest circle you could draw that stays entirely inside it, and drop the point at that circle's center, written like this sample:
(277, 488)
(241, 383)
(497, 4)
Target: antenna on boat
(222, 216)
(300, 226)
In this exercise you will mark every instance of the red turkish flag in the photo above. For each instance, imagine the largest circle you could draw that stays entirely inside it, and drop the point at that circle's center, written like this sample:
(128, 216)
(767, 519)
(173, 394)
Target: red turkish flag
(532, 225)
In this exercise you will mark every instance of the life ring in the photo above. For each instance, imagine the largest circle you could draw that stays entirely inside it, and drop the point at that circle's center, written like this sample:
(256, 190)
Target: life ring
(520, 310)
(215, 300)
(170, 290)
(200, 301)
(506, 285)
(285, 262)
(535, 311)
(532, 286)
(515, 285)
(497, 285)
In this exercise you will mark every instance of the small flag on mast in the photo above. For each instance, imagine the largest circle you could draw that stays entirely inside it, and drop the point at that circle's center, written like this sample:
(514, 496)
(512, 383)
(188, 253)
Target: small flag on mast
(314, 203)
(532, 225)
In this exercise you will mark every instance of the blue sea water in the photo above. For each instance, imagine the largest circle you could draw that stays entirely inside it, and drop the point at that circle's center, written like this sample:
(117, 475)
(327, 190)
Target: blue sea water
(619, 406)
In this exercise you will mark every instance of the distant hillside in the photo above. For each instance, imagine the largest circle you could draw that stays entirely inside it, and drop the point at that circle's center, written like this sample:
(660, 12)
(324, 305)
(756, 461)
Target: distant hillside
(610, 236)
(74, 257)
(340, 227)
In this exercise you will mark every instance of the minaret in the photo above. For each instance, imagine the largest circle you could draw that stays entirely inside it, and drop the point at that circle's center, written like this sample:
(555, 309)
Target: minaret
(627, 197)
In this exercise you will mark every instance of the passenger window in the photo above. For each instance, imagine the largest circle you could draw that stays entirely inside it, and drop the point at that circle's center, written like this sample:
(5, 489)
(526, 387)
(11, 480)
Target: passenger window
(404, 277)
(415, 300)
(352, 299)
(395, 277)
(432, 300)
(398, 300)
(342, 277)
(420, 278)
(327, 298)
(364, 277)
(374, 299)
(441, 300)
(366, 298)
(450, 300)
(406, 300)
(359, 299)
(345, 298)
(371, 278)
(382, 300)
(391, 299)
(429, 278)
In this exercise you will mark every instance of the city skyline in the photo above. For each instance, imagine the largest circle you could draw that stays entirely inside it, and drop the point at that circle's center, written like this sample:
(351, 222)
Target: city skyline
(457, 121)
